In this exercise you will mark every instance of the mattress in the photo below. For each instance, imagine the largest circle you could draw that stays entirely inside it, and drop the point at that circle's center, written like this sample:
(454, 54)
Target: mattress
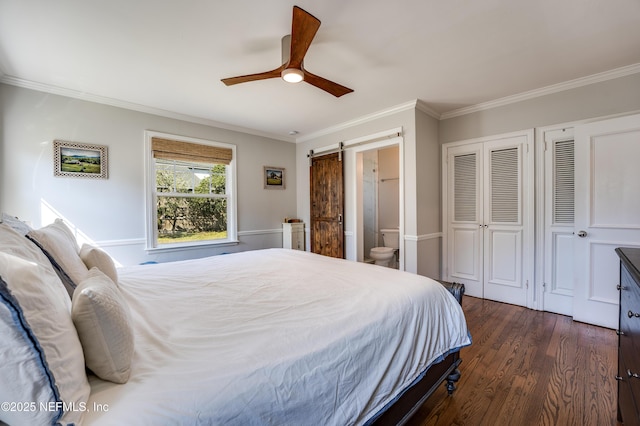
(274, 337)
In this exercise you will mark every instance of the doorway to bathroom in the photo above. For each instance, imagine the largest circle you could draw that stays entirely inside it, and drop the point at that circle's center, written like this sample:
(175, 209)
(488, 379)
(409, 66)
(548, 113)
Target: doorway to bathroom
(378, 189)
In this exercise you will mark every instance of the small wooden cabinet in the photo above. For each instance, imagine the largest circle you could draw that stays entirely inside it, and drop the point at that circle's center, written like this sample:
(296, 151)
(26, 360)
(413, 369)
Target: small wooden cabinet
(293, 236)
(629, 337)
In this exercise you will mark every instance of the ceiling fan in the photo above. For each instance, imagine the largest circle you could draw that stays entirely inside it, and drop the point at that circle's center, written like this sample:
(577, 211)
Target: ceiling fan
(294, 47)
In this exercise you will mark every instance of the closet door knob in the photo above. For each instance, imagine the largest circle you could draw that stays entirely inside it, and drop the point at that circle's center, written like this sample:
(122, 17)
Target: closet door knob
(582, 234)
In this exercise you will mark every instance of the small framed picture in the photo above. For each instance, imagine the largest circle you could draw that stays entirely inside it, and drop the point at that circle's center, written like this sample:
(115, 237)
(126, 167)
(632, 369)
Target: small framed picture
(72, 159)
(274, 177)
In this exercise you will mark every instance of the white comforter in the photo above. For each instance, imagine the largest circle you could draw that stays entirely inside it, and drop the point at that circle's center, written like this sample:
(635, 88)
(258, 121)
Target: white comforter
(275, 336)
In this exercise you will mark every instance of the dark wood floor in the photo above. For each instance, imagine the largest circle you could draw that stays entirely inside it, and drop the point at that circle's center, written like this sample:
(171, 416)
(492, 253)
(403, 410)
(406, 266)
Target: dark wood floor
(528, 367)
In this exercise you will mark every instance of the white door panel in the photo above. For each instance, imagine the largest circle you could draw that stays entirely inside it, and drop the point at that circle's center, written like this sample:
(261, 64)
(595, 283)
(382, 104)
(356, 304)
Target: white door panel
(503, 269)
(604, 264)
(607, 202)
(562, 265)
(464, 232)
(559, 189)
(504, 194)
(504, 259)
(466, 267)
(465, 248)
(615, 201)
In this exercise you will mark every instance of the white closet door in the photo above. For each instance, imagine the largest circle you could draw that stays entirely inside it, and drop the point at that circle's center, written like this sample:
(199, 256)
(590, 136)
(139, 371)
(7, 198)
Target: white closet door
(559, 221)
(607, 213)
(465, 229)
(488, 223)
(504, 221)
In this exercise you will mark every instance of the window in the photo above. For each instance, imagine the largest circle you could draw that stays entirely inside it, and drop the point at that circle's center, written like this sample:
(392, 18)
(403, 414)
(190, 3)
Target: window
(190, 192)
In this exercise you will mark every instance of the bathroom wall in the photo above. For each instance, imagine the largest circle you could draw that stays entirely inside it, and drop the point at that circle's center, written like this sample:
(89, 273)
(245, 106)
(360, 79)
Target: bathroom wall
(388, 188)
(369, 200)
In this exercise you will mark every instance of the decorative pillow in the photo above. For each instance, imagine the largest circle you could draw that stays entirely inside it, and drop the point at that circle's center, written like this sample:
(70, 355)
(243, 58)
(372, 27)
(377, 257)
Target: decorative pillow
(21, 227)
(102, 319)
(42, 360)
(95, 257)
(60, 246)
(14, 243)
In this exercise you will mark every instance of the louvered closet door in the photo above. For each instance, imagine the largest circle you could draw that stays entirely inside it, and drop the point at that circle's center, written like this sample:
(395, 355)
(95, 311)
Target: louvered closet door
(504, 221)
(465, 229)
(559, 219)
(489, 206)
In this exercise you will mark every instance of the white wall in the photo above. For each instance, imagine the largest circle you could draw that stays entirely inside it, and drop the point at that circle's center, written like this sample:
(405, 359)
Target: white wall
(617, 96)
(111, 212)
(429, 201)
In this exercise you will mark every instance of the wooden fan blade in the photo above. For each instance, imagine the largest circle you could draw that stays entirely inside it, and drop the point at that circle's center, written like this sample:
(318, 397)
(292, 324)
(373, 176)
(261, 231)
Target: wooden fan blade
(329, 86)
(253, 77)
(304, 27)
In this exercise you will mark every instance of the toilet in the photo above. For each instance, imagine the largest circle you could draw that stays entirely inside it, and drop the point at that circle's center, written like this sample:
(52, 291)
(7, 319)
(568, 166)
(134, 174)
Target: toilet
(384, 256)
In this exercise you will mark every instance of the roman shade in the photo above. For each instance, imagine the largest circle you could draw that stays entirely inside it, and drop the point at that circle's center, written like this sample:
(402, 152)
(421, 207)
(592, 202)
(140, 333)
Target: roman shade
(168, 149)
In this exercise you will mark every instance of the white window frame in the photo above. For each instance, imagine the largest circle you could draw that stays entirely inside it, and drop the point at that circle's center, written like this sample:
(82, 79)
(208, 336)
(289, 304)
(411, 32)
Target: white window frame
(151, 205)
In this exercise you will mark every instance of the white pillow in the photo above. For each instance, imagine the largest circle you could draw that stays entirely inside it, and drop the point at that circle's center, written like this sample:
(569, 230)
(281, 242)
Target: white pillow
(102, 319)
(21, 227)
(14, 243)
(42, 360)
(59, 244)
(95, 257)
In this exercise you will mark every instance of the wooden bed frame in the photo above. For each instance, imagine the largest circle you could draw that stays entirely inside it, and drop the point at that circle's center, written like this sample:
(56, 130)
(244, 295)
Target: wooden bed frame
(414, 396)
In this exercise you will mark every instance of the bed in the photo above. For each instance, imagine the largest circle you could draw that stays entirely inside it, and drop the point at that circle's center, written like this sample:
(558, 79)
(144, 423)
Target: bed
(269, 336)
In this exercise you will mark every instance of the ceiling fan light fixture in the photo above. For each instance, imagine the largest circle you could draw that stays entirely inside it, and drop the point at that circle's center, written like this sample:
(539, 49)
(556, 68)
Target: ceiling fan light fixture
(292, 75)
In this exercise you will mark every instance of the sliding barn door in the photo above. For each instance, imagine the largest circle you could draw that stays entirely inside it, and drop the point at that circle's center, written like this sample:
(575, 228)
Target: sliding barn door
(488, 222)
(327, 205)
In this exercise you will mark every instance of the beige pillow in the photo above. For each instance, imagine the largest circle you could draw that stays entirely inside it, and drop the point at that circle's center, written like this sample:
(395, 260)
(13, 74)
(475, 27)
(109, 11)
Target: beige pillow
(102, 318)
(95, 257)
(42, 359)
(59, 244)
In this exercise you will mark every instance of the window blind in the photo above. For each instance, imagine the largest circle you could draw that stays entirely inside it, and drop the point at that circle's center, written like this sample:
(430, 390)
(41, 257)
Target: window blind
(168, 149)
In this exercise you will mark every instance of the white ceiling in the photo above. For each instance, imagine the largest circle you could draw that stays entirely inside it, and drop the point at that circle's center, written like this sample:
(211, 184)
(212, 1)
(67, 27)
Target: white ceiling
(449, 54)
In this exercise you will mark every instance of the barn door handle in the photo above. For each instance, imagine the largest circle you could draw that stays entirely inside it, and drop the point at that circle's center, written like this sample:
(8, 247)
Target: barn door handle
(340, 218)
(582, 234)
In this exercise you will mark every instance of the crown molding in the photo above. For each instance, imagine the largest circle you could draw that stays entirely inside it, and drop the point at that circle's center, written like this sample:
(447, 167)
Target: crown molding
(360, 120)
(414, 104)
(422, 106)
(548, 90)
(84, 96)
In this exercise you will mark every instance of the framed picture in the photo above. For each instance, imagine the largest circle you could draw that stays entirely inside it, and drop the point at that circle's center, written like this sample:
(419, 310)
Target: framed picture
(273, 177)
(82, 160)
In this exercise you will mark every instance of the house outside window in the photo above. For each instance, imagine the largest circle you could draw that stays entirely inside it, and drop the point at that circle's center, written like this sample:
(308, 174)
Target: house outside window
(191, 195)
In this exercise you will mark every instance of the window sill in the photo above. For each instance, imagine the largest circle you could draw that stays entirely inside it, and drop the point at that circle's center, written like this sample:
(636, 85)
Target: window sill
(167, 248)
